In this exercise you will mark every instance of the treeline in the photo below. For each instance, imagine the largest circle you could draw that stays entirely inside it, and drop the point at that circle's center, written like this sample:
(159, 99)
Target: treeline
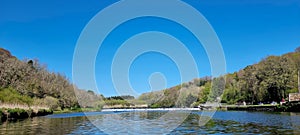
(30, 83)
(125, 101)
(118, 100)
(272, 79)
(124, 97)
(179, 96)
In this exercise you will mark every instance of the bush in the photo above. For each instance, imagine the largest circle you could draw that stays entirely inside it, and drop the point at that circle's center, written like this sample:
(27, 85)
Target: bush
(17, 113)
(10, 95)
(43, 112)
(16, 110)
(155, 105)
(117, 102)
(48, 101)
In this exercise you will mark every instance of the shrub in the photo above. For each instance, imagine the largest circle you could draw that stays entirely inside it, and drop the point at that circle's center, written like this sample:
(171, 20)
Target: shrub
(43, 112)
(48, 101)
(17, 113)
(117, 102)
(9, 95)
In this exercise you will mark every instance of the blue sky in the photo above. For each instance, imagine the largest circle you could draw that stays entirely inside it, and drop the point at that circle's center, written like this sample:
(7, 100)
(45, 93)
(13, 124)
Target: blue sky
(249, 30)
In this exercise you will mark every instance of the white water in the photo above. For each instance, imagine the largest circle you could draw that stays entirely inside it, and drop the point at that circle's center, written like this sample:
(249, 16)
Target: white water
(151, 109)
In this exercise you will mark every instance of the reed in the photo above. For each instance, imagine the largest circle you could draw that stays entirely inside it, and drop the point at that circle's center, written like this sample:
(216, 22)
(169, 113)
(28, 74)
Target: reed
(22, 106)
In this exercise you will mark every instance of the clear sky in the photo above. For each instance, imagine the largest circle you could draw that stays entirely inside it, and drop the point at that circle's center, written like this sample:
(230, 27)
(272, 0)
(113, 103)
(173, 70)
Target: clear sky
(249, 30)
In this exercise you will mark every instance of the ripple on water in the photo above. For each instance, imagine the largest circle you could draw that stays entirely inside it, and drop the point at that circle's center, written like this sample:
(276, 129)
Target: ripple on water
(101, 123)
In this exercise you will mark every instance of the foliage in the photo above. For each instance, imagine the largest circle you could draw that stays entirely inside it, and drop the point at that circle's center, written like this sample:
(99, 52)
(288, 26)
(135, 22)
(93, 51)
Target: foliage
(51, 102)
(9, 95)
(28, 82)
(217, 88)
(272, 79)
(32, 80)
(179, 96)
(203, 95)
(125, 97)
(269, 80)
(16, 110)
(117, 102)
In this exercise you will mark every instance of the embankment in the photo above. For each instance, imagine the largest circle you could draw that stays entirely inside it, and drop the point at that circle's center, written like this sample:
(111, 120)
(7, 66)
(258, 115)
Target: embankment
(288, 107)
(12, 113)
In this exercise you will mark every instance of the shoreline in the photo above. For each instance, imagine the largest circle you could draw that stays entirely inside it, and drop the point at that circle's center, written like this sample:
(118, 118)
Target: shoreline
(12, 114)
(151, 109)
(287, 107)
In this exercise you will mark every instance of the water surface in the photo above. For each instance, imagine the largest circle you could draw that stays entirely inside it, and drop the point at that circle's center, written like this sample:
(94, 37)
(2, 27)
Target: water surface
(145, 122)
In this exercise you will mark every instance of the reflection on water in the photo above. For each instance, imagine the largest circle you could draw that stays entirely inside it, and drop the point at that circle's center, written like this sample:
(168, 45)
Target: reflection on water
(42, 125)
(147, 123)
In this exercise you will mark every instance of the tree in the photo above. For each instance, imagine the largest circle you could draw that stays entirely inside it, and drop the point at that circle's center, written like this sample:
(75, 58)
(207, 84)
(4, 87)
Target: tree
(297, 49)
(217, 89)
(296, 60)
(32, 79)
(248, 83)
(203, 94)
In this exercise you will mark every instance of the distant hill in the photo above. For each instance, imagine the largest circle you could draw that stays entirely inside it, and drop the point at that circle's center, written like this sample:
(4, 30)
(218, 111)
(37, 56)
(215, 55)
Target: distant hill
(272, 79)
(29, 83)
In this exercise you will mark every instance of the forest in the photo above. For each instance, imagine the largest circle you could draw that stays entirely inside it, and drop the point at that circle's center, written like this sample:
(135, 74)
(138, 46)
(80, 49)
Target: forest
(271, 79)
(29, 83)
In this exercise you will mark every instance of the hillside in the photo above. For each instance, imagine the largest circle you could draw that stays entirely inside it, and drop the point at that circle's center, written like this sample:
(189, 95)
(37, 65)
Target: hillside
(179, 96)
(29, 83)
(272, 79)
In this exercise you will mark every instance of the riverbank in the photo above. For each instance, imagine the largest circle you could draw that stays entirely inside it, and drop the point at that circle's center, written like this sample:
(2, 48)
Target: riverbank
(151, 109)
(17, 113)
(230, 122)
(12, 114)
(288, 107)
(252, 108)
(76, 110)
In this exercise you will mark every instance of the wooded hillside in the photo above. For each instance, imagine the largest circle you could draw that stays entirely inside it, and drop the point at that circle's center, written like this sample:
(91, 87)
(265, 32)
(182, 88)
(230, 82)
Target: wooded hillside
(29, 83)
(272, 79)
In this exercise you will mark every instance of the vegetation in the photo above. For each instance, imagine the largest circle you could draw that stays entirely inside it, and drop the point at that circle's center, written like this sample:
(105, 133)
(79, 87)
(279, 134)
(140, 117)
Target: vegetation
(124, 101)
(17, 113)
(117, 102)
(272, 79)
(29, 83)
(125, 97)
(9, 95)
(179, 96)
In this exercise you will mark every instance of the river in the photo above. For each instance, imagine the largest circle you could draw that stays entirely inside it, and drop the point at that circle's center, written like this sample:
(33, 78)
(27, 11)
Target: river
(152, 122)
